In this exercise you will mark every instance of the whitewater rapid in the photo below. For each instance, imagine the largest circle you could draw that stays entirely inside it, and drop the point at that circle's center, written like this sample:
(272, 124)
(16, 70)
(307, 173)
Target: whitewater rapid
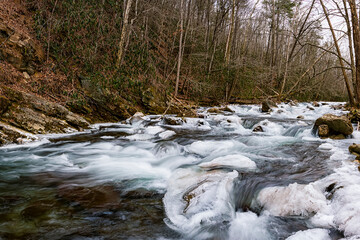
(217, 178)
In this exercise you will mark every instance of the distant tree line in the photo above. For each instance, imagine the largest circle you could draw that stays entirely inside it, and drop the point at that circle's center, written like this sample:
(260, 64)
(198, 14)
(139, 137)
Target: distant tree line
(220, 50)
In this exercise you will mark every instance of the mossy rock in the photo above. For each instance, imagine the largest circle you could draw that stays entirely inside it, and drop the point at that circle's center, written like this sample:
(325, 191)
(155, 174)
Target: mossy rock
(338, 126)
(355, 149)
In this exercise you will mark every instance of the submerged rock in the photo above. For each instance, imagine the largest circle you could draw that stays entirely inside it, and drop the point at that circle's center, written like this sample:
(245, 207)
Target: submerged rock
(104, 197)
(338, 127)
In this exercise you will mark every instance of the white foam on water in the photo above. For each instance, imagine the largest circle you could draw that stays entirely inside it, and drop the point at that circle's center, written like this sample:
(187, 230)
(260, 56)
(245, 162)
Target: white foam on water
(247, 225)
(196, 123)
(205, 148)
(303, 109)
(345, 198)
(196, 200)
(107, 137)
(152, 130)
(357, 237)
(140, 137)
(105, 167)
(356, 134)
(268, 141)
(250, 110)
(229, 123)
(292, 200)
(27, 144)
(271, 127)
(311, 234)
(174, 162)
(167, 134)
(326, 146)
(231, 161)
(63, 159)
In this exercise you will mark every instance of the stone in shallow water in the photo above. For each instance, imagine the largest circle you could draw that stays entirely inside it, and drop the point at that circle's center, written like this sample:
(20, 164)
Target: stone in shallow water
(37, 209)
(266, 106)
(337, 125)
(258, 129)
(173, 121)
(214, 110)
(91, 197)
(355, 149)
(315, 104)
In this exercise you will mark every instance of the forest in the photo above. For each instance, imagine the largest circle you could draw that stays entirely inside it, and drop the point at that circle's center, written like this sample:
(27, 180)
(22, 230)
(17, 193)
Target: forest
(202, 50)
(180, 119)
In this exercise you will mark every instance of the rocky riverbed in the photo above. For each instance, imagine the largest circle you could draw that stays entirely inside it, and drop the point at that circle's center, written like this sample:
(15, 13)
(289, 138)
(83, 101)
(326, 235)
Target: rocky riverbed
(232, 173)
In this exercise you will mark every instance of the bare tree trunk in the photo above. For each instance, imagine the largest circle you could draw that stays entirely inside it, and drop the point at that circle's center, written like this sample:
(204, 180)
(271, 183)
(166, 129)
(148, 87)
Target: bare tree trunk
(301, 31)
(347, 82)
(231, 32)
(356, 38)
(288, 54)
(180, 47)
(351, 51)
(120, 53)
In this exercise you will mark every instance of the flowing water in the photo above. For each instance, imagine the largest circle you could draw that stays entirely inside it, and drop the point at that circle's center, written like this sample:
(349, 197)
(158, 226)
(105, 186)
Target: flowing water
(207, 178)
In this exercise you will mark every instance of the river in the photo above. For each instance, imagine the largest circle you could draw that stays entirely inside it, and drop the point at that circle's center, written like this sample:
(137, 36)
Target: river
(207, 178)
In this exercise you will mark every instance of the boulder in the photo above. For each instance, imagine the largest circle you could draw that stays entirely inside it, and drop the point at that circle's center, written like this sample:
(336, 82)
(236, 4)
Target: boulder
(293, 103)
(267, 105)
(323, 131)
(355, 149)
(214, 110)
(300, 117)
(338, 126)
(310, 108)
(316, 104)
(226, 109)
(173, 121)
(258, 129)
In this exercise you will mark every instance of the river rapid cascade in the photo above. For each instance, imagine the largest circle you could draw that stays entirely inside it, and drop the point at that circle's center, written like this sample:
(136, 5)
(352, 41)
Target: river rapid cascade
(211, 177)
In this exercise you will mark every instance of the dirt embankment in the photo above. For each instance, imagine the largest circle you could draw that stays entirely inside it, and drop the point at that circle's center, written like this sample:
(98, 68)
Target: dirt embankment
(33, 92)
(38, 97)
